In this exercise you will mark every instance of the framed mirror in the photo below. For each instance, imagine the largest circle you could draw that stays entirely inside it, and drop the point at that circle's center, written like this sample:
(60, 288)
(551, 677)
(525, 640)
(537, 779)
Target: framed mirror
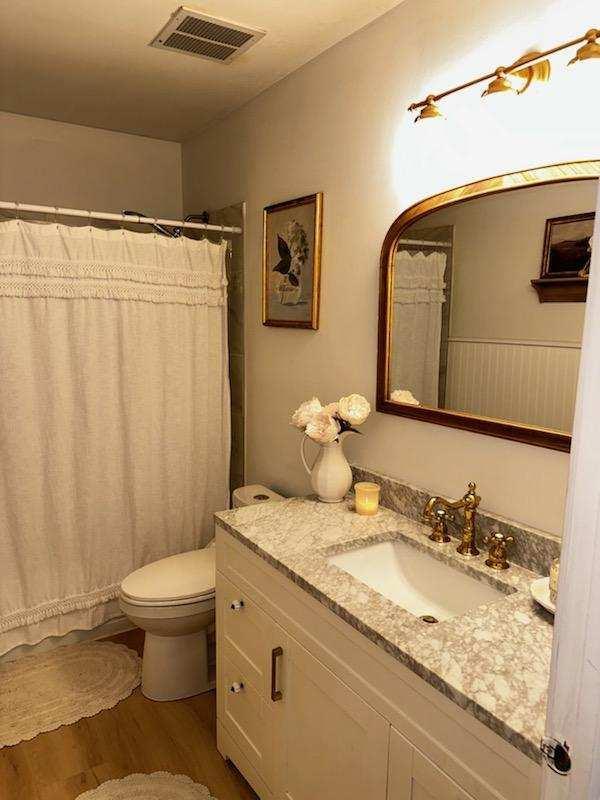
(482, 302)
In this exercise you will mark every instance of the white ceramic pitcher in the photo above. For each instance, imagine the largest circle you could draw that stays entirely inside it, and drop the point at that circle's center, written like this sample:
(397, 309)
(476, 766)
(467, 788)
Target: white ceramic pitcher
(330, 475)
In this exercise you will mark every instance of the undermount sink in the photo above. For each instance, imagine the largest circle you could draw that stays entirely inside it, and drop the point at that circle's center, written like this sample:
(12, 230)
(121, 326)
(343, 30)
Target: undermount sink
(416, 581)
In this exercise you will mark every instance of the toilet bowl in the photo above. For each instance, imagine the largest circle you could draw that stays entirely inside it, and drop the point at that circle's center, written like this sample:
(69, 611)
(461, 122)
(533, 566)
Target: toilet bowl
(173, 601)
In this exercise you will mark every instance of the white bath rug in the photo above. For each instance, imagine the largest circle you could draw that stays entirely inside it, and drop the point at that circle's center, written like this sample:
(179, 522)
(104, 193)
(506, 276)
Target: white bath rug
(157, 786)
(39, 693)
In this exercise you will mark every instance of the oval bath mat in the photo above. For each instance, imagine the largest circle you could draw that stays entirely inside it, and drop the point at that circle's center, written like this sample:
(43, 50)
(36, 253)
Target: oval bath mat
(156, 786)
(39, 693)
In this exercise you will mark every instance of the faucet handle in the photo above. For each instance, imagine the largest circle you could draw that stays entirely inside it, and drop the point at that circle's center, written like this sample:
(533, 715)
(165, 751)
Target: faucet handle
(498, 544)
(440, 518)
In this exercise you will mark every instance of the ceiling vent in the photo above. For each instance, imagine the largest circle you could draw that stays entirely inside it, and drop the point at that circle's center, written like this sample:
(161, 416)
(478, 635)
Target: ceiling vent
(197, 34)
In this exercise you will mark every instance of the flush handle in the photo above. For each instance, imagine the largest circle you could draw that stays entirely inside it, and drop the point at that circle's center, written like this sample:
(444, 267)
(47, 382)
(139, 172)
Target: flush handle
(276, 694)
(237, 605)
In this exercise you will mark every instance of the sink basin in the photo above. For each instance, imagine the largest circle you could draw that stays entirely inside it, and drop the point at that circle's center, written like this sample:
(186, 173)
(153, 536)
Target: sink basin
(416, 581)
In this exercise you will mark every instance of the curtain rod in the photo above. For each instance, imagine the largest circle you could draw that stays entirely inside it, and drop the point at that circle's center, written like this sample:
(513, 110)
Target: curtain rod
(122, 218)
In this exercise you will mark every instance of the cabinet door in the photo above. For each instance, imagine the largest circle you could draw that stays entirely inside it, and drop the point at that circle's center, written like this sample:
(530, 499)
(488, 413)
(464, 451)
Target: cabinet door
(335, 746)
(412, 776)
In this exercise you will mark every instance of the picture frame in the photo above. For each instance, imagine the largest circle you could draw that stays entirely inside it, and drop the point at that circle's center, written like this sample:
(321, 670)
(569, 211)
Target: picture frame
(292, 236)
(566, 259)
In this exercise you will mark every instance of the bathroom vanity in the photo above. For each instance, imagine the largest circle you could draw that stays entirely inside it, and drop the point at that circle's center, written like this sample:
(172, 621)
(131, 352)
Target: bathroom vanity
(328, 688)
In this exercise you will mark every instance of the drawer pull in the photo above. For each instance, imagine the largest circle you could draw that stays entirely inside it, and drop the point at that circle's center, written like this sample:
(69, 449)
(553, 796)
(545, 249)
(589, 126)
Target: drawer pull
(237, 605)
(236, 687)
(276, 694)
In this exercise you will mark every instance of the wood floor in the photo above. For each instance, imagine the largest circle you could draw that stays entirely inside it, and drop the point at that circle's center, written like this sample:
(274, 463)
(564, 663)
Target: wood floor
(138, 735)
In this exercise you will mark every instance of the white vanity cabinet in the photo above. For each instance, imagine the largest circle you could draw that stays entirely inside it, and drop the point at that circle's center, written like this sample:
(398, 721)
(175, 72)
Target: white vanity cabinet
(412, 776)
(333, 744)
(309, 709)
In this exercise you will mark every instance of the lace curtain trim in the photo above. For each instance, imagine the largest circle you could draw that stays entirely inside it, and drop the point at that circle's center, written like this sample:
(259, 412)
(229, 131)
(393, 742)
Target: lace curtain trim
(55, 608)
(415, 296)
(46, 277)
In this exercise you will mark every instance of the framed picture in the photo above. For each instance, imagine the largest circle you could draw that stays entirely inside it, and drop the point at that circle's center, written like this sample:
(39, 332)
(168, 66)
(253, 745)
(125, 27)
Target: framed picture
(566, 259)
(292, 262)
(568, 245)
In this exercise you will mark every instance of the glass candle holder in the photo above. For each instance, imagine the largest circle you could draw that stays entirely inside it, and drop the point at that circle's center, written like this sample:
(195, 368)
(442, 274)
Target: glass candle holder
(367, 498)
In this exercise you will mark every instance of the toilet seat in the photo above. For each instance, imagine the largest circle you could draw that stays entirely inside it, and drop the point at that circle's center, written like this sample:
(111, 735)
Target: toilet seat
(179, 580)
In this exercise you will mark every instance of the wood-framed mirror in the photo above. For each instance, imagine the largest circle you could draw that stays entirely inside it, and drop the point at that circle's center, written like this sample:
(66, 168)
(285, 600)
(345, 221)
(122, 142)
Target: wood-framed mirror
(482, 301)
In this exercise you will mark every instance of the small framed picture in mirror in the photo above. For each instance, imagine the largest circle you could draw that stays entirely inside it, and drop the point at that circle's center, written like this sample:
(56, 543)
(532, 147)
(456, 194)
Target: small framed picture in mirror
(568, 245)
(292, 262)
(566, 259)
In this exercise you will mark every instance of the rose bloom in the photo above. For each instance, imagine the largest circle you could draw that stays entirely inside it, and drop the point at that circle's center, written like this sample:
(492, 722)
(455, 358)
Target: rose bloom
(354, 409)
(404, 396)
(322, 428)
(332, 408)
(303, 415)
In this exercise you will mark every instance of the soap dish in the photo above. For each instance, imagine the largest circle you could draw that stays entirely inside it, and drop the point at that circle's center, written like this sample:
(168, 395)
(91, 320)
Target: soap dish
(540, 591)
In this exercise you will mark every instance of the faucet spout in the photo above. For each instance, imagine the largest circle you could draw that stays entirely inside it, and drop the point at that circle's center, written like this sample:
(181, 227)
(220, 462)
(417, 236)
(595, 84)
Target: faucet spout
(469, 503)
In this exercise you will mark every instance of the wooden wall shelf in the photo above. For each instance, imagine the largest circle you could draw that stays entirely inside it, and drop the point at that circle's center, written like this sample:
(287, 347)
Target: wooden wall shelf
(561, 290)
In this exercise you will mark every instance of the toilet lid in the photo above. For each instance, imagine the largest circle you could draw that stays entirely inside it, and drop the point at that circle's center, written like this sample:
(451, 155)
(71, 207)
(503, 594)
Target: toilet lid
(179, 577)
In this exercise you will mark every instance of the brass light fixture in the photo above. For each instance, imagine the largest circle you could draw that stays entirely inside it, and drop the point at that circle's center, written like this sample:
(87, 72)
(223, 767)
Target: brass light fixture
(501, 83)
(591, 49)
(518, 77)
(429, 110)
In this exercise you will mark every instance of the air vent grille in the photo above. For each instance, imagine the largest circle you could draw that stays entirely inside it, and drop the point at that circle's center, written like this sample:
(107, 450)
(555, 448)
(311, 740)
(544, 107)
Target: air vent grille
(217, 33)
(192, 32)
(200, 47)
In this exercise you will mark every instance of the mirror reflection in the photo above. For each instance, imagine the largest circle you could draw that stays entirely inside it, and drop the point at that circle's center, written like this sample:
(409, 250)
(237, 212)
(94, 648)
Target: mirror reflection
(488, 305)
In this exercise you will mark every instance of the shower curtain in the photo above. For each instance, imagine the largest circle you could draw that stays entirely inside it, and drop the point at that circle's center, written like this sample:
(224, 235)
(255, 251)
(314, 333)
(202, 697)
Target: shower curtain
(417, 324)
(114, 415)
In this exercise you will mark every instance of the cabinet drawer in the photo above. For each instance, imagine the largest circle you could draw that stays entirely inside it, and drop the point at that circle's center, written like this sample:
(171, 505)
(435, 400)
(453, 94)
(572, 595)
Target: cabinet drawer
(245, 716)
(245, 630)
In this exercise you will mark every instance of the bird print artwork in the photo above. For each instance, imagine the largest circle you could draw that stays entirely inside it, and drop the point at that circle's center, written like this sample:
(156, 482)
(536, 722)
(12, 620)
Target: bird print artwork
(291, 262)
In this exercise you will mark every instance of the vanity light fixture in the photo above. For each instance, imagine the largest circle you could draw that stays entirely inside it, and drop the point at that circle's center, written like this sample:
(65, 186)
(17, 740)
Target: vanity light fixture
(591, 49)
(517, 77)
(429, 110)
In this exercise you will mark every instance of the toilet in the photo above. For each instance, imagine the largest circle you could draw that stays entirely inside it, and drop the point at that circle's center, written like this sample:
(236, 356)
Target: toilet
(173, 601)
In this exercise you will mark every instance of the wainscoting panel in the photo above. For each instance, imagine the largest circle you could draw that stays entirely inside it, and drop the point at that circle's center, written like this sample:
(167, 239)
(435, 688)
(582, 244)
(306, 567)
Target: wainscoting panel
(526, 381)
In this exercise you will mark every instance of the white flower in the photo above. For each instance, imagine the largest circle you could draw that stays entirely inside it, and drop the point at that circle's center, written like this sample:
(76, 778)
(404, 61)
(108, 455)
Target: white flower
(354, 409)
(303, 415)
(404, 396)
(322, 428)
(332, 408)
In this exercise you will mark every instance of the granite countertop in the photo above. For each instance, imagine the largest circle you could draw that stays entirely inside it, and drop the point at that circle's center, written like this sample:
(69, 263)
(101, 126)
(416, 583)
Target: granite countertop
(493, 661)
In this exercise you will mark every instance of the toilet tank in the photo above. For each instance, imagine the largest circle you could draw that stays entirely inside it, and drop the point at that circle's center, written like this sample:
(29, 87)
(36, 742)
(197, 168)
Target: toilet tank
(255, 493)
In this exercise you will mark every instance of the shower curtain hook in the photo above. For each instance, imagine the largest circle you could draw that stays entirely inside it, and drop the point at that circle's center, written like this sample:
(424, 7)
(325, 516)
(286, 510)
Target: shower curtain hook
(122, 225)
(56, 217)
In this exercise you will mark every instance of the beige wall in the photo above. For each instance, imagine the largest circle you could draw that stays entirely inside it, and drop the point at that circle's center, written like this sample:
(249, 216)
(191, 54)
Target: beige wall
(340, 125)
(57, 164)
(498, 243)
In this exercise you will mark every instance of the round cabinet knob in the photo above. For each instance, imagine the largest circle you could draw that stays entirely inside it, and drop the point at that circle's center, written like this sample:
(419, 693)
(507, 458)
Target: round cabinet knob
(237, 605)
(236, 687)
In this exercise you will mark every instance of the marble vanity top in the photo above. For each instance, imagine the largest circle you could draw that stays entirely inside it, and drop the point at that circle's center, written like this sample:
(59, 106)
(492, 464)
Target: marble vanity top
(494, 661)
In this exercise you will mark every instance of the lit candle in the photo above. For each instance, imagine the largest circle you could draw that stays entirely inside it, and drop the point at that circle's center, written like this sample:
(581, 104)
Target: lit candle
(367, 498)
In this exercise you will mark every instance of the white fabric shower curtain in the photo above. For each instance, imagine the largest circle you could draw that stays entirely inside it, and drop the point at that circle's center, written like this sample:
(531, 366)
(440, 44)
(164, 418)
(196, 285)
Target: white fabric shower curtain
(114, 415)
(417, 324)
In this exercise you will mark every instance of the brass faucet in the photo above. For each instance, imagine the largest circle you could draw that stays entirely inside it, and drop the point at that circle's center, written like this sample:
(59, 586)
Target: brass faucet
(469, 502)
